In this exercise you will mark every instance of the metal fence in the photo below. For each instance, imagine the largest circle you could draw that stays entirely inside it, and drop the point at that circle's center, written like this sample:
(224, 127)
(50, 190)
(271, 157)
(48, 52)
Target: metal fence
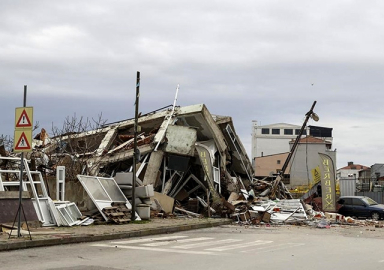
(369, 187)
(347, 187)
(377, 196)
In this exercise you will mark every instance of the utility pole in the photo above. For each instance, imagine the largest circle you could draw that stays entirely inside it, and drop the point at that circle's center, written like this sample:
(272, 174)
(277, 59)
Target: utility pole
(135, 150)
(278, 179)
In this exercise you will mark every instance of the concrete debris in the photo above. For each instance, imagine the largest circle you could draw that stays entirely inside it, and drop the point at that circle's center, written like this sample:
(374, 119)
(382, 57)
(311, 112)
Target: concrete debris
(261, 210)
(189, 213)
(323, 223)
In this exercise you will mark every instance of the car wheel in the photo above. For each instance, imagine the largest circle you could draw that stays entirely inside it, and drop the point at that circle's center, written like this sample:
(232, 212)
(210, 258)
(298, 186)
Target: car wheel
(375, 216)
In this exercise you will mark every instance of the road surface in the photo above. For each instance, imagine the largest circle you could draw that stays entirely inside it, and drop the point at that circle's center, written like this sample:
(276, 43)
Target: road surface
(228, 247)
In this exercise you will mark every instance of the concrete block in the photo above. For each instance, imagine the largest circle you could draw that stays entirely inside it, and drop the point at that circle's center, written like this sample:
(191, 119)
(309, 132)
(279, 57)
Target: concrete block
(143, 211)
(145, 191)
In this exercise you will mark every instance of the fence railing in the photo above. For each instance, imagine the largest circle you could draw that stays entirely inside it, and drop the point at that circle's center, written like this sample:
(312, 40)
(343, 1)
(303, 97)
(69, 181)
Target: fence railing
(377, 196)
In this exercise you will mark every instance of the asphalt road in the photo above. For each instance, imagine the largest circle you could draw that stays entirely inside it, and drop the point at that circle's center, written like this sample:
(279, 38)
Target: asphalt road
(228, 247)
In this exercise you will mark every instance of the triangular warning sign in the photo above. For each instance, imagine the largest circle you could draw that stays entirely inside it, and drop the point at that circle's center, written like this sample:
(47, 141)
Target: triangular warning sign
(23, 120)
(22, 143)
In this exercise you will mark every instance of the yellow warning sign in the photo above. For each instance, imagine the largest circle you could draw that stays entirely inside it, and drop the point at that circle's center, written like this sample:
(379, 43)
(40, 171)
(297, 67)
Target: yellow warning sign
(24, 117)
(22, 141)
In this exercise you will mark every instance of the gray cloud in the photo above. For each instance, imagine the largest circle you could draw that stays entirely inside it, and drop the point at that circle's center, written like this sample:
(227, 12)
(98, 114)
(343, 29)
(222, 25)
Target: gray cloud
(252, 60)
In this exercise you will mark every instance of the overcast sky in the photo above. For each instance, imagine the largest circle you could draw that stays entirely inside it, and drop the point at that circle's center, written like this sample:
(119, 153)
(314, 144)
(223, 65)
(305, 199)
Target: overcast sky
(251, 60)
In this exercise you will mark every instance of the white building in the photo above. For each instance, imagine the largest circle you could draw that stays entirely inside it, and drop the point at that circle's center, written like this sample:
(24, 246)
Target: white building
(268, 140)
(275, 138)
(272, 139)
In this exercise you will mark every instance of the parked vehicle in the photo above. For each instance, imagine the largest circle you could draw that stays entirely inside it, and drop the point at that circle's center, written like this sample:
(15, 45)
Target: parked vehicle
(360, 206)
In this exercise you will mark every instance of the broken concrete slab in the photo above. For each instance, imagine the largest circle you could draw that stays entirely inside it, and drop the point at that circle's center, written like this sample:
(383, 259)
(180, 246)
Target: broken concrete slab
(166, 202)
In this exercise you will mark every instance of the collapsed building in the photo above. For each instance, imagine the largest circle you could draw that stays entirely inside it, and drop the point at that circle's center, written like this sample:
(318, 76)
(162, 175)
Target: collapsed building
(184, 153)
(188, 161)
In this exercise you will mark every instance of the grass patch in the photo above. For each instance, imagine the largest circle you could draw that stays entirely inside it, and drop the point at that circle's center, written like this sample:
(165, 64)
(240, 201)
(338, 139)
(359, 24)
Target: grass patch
(140, 221)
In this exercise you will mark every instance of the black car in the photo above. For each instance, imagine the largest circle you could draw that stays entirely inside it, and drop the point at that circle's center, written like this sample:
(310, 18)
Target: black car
(360, 206)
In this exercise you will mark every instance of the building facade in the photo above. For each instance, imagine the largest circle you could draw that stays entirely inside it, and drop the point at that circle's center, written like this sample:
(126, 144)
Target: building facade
(377, 170)
(306, 161)
(272, 139)
(268, 166)
(353, 171)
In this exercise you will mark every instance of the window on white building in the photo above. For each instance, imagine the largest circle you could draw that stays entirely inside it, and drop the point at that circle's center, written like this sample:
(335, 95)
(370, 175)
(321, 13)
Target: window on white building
(297, 132)
(265, 131)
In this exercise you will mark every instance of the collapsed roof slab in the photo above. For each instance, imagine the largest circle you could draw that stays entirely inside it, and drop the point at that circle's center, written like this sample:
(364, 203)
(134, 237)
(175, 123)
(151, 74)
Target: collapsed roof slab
(198, 117)
(180, 140)
(96, 162)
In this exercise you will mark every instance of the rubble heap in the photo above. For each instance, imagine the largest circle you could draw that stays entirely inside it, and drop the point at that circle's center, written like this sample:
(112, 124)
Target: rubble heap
(192, 160)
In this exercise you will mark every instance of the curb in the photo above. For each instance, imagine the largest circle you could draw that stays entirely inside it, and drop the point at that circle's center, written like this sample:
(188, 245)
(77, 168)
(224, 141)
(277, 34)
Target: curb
(113, 236)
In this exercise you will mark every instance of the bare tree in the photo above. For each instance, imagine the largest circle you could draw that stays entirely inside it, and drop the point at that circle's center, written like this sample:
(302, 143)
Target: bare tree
(6, 143)
(76, 142)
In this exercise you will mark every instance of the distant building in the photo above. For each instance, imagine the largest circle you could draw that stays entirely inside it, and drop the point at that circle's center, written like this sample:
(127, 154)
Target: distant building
(274, 139)
(352, 178)
(353, 171)
(377, 171)
(268, 166)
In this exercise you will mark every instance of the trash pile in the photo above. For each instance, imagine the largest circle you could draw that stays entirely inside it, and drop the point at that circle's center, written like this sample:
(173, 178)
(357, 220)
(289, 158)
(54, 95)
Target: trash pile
(335, 218)
(245, 209)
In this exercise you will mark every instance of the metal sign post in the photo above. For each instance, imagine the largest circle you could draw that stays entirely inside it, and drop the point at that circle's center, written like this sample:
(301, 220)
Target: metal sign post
(135, 153)
(25, 125)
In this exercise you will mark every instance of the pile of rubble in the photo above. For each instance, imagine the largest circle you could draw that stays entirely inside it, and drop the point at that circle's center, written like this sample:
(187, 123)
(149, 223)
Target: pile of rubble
(246, 209)
(334, 218)
(188, 162)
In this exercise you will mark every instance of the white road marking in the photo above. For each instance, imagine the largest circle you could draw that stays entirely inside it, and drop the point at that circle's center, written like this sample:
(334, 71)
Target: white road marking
(206, 244)
(164, 243)
(166, 238)
(381, 261)
(242, 245)
(178, 245)
(273, 248)
(158, 249)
